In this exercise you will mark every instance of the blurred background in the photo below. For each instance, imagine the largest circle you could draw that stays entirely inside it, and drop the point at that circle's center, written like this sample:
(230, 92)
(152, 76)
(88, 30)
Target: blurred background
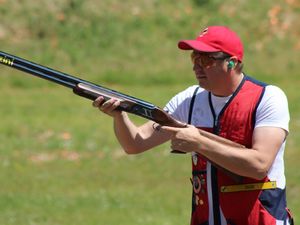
(59, 160)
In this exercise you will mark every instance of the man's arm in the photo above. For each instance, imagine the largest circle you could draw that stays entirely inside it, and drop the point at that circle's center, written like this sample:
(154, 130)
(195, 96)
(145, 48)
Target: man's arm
(134, 139)
(254, 162)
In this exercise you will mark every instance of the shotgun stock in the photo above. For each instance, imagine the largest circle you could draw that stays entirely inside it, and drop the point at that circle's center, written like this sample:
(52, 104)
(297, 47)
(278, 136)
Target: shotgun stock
(92, 91)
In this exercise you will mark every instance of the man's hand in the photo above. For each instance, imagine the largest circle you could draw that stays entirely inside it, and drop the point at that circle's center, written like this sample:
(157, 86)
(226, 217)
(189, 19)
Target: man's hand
(108, 107)
(186, 139)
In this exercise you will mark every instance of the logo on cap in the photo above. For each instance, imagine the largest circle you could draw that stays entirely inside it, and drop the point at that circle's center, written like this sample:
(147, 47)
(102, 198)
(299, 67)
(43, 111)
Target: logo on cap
(203, 32)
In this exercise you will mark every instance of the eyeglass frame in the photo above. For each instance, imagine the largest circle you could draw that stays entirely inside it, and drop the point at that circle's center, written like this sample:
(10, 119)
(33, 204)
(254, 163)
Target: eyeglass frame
(197, 58)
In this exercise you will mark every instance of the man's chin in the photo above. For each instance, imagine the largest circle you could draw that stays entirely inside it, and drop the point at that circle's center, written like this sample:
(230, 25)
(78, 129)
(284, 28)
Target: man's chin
(202, 83)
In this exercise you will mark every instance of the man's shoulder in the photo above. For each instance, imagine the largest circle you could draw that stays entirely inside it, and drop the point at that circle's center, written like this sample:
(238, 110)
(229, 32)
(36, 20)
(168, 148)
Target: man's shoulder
(255, 81)
(274, 99)
(270, 90)
(184, 97)
(274, 91)
(189, 91)
(274, 88)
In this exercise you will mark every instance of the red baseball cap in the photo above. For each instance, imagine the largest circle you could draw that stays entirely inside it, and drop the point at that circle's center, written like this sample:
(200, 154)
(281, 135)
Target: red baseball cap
(216, 39)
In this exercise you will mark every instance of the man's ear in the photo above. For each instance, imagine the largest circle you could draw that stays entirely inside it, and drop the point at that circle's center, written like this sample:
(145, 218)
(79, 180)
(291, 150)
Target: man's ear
(232, 63)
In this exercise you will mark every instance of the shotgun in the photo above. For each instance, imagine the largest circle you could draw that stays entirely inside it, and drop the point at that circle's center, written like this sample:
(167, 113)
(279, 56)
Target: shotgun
(92, 91)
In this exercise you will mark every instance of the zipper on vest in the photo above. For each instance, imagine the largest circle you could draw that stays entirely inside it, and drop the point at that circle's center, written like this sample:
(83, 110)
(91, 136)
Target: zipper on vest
(216, 125)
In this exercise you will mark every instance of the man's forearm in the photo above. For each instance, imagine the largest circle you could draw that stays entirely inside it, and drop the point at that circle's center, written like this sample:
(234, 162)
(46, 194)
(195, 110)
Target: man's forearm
(136, 139)
(252, 162)
(126, 132)
(241, 161)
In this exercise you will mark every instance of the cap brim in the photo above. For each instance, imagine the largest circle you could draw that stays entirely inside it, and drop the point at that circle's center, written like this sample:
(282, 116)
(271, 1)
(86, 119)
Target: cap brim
(196, 45)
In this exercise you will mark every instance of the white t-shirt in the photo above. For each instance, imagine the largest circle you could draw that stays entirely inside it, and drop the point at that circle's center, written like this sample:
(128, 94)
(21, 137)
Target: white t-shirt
(272, 111)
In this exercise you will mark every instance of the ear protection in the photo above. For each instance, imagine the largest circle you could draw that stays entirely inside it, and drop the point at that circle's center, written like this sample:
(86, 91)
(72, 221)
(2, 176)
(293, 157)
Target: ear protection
(230, 64)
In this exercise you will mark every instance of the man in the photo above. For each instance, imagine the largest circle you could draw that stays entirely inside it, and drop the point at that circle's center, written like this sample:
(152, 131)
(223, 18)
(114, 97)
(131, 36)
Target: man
(232, 105)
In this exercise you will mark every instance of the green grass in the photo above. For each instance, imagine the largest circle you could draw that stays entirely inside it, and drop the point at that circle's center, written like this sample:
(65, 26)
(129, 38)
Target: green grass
(60, 162)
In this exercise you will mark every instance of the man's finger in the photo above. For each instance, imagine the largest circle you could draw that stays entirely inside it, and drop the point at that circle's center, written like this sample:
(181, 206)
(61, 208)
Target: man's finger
(98, 101)
(168, 129)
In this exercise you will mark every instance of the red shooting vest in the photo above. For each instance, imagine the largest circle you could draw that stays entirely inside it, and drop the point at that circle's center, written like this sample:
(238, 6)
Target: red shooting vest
(255, 207)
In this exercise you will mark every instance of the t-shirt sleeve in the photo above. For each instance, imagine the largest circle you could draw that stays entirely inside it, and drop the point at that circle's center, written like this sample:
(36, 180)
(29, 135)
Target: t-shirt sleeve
(273, 109)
